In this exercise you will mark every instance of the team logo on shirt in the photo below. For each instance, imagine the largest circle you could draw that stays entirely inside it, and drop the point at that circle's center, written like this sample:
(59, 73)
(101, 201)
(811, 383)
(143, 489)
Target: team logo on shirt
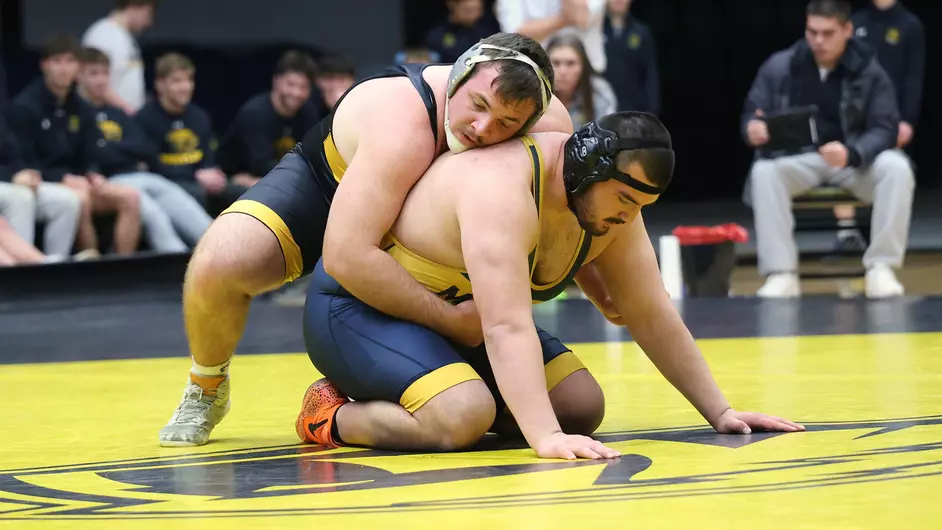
(892, 36)
(110, 130)
(449, 40)
(634, 41)
(74, 124)
(184, 148)
(285, 143)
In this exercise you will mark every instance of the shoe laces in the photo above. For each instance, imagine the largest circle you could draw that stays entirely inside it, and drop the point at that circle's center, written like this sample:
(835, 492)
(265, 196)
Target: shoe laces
(192, 410)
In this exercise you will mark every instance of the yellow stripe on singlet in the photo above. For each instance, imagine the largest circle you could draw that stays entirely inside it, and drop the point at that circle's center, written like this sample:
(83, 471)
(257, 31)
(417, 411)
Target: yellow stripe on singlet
(561, 367)
(536, 160)
(337, 166)
(289, 248)
(539, 291)
(434, 383)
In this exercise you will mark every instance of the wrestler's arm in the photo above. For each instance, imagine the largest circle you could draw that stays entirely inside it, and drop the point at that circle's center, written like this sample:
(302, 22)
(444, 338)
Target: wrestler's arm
(393, 152)
(628, 267)
(499, 225)
(629, 270)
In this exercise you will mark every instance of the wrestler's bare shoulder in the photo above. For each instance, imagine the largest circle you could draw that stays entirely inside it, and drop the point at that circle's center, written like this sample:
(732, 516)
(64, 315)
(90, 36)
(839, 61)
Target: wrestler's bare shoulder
(387, 109)
(391, 95)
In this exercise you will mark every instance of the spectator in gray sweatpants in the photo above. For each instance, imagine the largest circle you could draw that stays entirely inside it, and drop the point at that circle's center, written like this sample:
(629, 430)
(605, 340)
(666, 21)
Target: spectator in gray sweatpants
(173, 220)
(858, 123)
(25, 198)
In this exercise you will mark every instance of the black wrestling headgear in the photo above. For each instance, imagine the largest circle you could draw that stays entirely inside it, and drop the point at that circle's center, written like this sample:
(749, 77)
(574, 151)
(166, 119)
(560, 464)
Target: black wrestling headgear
(590, 156)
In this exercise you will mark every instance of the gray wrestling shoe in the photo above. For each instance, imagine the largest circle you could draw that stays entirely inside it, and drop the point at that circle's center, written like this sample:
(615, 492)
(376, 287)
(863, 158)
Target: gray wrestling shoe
(196, 416)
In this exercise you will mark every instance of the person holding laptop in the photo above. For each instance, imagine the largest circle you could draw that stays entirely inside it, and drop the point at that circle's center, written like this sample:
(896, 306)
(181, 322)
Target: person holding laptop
(855, 120)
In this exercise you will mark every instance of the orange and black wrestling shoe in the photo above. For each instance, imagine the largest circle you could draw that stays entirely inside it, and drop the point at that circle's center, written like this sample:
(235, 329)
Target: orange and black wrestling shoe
(318, 410)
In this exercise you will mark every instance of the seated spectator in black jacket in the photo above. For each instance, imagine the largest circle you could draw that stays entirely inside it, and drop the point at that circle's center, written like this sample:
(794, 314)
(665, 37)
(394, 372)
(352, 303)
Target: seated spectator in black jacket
(857, 123)
(57, 135)
(269, 124)
(182, 133)
(172, 219)
(632, 67)
(25, 198)
(465, 26)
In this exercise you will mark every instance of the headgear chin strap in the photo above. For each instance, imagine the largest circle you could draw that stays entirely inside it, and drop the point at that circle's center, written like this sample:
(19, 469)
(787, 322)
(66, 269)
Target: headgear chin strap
(462, 70)
(590, 158)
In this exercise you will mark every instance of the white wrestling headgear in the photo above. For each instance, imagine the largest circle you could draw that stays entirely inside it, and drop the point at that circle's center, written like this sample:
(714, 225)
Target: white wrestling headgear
(463, 69)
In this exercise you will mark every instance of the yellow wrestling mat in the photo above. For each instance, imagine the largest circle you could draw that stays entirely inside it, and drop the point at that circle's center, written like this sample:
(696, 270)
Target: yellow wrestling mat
(79, 450)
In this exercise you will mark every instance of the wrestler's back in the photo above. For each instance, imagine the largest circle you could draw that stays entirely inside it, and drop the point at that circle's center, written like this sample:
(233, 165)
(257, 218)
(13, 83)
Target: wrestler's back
(428, 227)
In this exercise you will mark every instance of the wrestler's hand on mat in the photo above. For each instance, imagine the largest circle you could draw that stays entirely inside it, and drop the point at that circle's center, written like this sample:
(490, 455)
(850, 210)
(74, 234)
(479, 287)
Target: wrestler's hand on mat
(572, 446)
(735, 422)
(465, 325)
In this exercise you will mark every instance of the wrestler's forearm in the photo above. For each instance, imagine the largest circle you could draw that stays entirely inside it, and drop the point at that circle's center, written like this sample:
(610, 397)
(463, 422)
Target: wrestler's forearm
(514, 352)
(668, 343)
(379, 281)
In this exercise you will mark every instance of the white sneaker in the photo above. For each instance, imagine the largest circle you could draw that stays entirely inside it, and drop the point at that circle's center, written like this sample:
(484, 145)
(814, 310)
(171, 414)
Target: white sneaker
(196, 416)
(781, 285)
(881, 282)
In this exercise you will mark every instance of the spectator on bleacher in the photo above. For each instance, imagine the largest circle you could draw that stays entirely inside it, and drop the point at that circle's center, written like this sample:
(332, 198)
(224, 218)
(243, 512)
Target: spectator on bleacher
(14, 250)
(632, 60)
(271, 123)
(124, 155)
(25, 198)
(858, 124)
(542, 19)
(465, 25)
(182, 133)
(57, 134)
(335, 75)
(115, 35)
(586, 94)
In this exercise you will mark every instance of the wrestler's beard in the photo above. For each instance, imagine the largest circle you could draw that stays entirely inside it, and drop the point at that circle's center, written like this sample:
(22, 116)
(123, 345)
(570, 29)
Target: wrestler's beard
(454, 145)
(579, 204)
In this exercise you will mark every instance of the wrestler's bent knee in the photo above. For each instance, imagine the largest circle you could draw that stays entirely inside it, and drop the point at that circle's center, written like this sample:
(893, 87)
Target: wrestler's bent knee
(239, 252)
(579, 403)
(457, 418)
